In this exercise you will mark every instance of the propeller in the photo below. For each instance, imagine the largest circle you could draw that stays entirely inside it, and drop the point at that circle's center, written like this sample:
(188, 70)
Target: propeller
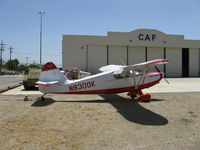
(160, 71)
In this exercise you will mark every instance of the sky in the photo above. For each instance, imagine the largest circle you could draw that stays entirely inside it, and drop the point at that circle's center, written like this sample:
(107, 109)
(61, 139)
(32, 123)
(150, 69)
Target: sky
(20, 22)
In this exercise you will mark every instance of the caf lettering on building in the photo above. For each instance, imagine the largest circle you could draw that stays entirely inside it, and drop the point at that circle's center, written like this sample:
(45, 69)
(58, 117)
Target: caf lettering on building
(92, 52)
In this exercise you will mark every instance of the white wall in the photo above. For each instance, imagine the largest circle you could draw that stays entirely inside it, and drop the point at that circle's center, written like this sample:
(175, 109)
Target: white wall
(75, 46)
(117, 53)
(194, 62)
(74, 54)
(97, 57)
(174, 67)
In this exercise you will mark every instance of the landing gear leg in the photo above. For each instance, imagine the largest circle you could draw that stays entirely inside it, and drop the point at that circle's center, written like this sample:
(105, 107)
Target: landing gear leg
(42, 97)
(132, 94)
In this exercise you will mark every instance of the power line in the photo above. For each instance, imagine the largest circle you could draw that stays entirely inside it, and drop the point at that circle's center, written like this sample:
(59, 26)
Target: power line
(1, 49)
(36, 54)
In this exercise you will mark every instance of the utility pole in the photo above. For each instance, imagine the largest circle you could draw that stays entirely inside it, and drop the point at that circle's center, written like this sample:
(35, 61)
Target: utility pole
(10, 56)
(1, 49)
(27, 60)
(41, 13)
(11, 48)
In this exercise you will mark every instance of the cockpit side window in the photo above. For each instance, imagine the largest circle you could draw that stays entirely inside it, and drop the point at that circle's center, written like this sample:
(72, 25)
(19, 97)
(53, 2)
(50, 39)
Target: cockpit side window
(124, 74)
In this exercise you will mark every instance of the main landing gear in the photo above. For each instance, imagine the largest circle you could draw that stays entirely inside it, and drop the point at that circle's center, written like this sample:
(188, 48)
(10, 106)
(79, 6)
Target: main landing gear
(42, 97)
(139, 95)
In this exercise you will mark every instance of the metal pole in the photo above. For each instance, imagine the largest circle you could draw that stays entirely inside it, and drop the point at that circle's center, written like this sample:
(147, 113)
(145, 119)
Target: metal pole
(27, 60)
(41, 40)
(41, 13)
(1, 49)
(11, 48)
(10, 57)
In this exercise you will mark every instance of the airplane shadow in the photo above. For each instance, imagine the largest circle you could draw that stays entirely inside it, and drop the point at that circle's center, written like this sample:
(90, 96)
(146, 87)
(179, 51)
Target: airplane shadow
(129, 109)
(134, 112)
(39, 103)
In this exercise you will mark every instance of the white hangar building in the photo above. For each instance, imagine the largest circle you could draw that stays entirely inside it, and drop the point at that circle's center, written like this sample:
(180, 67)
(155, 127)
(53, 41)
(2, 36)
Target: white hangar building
(92, 52)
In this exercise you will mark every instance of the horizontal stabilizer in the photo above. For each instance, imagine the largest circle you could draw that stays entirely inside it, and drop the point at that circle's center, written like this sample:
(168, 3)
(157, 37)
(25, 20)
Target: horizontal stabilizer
(48, 84)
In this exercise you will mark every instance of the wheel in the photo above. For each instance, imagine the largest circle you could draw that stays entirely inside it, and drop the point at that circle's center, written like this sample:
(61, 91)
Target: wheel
(133, 96)
(144, 97)
(26, 87)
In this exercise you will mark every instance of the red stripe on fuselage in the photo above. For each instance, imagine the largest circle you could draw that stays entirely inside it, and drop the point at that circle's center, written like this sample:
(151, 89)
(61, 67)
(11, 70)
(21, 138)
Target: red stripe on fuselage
(44, 84)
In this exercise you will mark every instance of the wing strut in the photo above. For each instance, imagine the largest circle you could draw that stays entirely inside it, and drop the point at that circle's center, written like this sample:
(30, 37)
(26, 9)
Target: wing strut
(142, 76)
(136, 91)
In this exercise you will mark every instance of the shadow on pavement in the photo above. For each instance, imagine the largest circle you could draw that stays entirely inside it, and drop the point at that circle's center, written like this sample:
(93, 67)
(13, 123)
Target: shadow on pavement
(129, 109)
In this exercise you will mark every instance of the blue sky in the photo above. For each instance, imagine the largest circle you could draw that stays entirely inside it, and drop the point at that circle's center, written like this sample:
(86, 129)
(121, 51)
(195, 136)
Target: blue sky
(19, 22)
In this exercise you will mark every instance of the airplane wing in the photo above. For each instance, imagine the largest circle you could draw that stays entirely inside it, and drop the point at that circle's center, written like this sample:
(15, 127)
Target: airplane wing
(126, 71)
(148, 63)
(144, 64)
(118, 69)
(110, 68)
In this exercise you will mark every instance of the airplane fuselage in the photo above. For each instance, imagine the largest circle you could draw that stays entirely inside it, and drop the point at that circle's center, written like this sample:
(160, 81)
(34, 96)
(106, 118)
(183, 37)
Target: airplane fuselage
(103, 83)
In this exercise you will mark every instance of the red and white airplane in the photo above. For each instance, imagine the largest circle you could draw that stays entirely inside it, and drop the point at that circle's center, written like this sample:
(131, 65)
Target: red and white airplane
(112, 79)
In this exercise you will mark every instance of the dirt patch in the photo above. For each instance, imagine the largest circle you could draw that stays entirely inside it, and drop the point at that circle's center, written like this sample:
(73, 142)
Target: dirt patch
(169, 121)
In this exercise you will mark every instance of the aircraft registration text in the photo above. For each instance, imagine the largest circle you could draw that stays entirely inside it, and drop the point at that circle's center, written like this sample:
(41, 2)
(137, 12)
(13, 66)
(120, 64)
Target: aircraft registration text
(81, 86)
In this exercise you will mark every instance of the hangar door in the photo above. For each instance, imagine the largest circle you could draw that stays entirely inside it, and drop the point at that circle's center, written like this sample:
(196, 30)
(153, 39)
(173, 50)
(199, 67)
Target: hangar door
(97, 57)
(117, 55)
(174, 67)
(136, 55)
(194, 62)
(155, 53)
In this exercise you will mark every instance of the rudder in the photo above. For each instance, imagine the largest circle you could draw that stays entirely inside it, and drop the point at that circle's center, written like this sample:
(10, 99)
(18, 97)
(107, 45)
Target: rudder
(51, 73)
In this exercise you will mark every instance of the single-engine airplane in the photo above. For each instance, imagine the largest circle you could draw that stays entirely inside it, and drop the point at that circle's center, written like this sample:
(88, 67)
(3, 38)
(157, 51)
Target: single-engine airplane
(112, 79)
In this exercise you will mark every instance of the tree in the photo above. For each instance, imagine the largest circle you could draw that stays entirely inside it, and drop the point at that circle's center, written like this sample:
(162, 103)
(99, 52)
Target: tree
(21, 68)
(33, 66)
(12, 64)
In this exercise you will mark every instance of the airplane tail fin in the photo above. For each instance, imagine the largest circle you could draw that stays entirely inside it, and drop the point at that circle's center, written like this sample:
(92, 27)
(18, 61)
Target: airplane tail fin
(51, 75)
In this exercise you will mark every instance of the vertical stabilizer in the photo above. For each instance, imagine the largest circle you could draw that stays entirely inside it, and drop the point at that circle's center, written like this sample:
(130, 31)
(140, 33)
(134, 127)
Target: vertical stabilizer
(51, 73)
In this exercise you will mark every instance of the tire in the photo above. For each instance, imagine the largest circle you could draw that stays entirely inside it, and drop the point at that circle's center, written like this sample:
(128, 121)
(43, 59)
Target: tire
(26, 87)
